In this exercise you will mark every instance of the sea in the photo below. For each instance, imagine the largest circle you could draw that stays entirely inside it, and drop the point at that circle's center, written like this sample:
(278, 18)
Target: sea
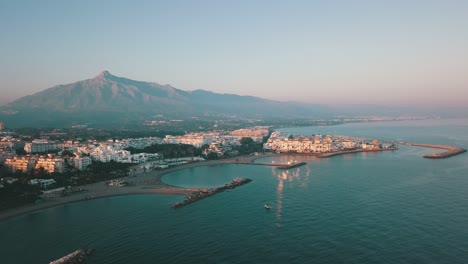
(380, 207)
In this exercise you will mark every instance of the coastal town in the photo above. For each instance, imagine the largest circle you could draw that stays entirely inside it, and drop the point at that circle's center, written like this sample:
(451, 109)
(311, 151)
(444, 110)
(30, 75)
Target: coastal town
(54, 167)
(53, 156)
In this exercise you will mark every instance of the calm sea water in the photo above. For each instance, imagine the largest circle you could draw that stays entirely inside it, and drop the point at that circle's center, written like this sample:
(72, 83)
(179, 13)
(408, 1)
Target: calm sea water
(388, 207)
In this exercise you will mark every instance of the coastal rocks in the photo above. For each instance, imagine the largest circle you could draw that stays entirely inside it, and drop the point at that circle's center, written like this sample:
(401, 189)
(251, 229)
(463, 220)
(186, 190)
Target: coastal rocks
(290, 166)
(76, 257)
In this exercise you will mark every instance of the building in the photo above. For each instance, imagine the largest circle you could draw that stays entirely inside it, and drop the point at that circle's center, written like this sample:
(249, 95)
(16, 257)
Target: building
(348, 144)
(117, 182)
(41, 146)
(81, 163)
(256, 133)
(195, 139)
(23, 164)
(298, 144)
(50, 164)
(43, 183)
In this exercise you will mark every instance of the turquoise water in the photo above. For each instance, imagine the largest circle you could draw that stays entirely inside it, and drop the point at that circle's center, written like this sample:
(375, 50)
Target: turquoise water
(387, 207)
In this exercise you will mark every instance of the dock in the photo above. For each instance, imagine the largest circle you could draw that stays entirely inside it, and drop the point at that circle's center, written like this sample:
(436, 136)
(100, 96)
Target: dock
(76, 257)
(450, 150)
(196, 196)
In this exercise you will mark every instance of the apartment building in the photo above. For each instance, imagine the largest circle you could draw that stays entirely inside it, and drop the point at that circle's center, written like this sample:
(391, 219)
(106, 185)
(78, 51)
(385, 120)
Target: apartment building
(23, 164)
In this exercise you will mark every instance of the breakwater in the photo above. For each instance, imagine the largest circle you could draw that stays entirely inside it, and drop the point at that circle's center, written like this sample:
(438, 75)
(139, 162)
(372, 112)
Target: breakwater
(336, 153)
(76, 257)
(196, 196)
(451, 150)
(290, 166)
(279, 166)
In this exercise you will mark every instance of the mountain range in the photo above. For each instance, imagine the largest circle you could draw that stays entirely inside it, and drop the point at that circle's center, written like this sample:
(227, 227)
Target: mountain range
(111, 100)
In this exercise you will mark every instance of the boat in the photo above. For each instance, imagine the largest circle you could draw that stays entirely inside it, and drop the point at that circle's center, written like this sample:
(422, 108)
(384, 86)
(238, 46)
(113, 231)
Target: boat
(267, 206)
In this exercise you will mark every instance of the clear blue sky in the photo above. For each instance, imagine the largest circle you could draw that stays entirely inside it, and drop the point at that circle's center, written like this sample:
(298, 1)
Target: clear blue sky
(378, 52)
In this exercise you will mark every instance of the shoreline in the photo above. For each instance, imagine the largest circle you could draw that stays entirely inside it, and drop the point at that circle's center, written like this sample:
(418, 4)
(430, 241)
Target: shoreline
(151, 181)
(145, 183)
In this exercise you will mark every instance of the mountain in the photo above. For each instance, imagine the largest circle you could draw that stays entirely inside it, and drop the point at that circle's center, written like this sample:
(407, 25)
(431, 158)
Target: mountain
(111, 100)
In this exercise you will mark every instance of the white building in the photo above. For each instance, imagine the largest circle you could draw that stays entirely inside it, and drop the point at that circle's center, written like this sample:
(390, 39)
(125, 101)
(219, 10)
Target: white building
(81, 163)
(298, 144)
(41, 146)
(116, 182)
(43, 183)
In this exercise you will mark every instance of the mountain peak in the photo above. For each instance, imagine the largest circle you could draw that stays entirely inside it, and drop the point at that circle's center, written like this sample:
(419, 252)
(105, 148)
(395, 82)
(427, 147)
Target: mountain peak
(104, 74)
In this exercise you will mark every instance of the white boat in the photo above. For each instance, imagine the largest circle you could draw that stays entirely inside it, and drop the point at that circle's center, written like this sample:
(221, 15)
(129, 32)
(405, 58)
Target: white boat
(267, 206)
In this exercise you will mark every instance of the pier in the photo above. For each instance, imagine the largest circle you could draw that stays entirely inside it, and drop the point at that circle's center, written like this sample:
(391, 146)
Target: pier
(196, 196)
(451, 150)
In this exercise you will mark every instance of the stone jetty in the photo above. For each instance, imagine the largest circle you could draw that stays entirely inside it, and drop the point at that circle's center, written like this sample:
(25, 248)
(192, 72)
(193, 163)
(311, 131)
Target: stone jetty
(336, 153)
(292, 165)
(76, 257)
(196, 196)
(450, 150)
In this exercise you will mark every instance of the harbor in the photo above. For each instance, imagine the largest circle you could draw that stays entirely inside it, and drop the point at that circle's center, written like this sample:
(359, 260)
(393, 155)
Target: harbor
(196, 196)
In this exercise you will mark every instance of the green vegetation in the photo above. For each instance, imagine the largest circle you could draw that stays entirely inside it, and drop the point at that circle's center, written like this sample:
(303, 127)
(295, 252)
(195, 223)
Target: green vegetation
(17, 194)
(212, 156)
(248, 146)
(100, 171)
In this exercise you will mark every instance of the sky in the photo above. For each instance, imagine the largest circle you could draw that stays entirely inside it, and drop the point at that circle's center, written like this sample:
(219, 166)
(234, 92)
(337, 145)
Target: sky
(328, 52)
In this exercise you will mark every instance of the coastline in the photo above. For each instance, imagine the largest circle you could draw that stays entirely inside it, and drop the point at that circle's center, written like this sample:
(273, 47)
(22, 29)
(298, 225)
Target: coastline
(151, 181)
(144, 183)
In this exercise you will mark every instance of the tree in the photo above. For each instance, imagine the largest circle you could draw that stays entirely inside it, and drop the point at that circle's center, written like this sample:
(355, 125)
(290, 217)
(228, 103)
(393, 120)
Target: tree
(246, 141)
(212, 156)
(21, 152)
(67, 153)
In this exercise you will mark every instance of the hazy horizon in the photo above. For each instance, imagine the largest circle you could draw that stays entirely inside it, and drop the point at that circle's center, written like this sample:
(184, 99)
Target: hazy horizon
(322, 52)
